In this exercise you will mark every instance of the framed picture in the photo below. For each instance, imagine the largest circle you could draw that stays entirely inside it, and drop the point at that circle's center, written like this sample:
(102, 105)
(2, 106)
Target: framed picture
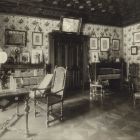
(70, 24)
(93, 43)
(116, 44)
(37, 38)
(36, 56)
(134, 50)
(93, 56)
(15, 37)
(25, 57)
(105, 44)
(136, 37)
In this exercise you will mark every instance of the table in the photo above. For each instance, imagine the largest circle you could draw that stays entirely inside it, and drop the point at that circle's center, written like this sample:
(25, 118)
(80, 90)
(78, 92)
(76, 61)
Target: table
(16, 94)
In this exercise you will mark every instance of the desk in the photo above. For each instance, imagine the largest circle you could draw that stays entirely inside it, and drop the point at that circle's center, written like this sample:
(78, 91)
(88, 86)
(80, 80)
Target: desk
(17, 93)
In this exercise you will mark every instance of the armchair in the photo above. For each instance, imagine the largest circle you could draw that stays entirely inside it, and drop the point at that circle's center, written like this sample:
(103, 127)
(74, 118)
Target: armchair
(53, 95)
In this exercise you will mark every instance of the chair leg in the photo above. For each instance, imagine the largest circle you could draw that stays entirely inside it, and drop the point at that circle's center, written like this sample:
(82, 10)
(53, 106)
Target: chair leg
(51, 109)
(91, 94)
(134, 102)
(102, 92)
(35, 103)
(35, 107)
(47, 115)
(61, 110)
(101, 99)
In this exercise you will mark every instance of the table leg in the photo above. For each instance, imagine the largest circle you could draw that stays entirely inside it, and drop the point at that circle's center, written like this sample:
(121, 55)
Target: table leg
(27, 108)
(2, 108)
(17, 110)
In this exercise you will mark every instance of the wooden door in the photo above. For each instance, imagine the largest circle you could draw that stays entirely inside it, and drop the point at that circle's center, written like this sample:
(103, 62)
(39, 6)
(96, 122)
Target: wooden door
(69, 51)
(74, 64)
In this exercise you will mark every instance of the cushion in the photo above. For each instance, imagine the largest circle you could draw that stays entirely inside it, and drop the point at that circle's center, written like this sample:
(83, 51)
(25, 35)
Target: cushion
(44, 84)
(46, 81)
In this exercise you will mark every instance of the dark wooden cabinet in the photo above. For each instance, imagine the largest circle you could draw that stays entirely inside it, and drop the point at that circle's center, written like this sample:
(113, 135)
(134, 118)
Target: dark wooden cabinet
(70, 50)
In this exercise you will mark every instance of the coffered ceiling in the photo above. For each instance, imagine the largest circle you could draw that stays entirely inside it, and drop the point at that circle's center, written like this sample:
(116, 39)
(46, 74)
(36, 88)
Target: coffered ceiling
(108, 12)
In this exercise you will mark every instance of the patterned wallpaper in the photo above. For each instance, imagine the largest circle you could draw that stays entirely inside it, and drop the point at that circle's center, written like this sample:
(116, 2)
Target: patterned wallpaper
(128, 33)
(32, 24)
(105, 31)
(29, 24)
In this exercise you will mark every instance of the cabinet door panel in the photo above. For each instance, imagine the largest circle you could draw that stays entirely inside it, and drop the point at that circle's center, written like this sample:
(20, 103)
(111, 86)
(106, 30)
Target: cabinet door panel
(68, 51)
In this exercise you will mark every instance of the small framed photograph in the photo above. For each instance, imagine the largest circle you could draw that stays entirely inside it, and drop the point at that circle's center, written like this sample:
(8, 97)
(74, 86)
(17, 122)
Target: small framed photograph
(93, 56)
(105, 44)
(93, 43)
(36, 56)
(136, 37)
(134, 50)
(37, 38)
(116, 44)
(25, 57)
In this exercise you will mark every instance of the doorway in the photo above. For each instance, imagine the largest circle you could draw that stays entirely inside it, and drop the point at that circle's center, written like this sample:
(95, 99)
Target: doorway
(70, 50)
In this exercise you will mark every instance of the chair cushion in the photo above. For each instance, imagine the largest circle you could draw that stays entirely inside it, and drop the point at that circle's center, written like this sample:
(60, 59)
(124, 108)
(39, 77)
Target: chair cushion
(46, 81)
(59, 79)
(44, 84)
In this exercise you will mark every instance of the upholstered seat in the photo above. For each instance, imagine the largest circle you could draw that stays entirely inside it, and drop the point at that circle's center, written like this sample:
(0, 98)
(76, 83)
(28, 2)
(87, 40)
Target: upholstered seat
(51, 100)
(43, 86)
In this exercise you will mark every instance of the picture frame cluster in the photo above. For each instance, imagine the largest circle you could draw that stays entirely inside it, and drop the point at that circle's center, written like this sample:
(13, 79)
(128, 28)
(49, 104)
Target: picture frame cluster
(18, 39)
(33, 57)
(104, 44)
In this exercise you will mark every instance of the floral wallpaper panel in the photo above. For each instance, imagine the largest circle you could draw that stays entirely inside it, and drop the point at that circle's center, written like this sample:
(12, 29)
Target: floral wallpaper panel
(128, 33)
(33, 24)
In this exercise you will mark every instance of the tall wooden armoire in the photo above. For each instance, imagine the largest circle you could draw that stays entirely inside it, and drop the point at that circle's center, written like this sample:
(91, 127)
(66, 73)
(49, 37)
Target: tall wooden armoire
(70, 50)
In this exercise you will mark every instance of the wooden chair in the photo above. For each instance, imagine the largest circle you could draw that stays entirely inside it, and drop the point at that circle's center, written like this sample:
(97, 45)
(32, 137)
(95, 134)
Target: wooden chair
(96, 92)
(53, 95)
(135, 85)
(96, 87)
(134, 82)
(99, 88)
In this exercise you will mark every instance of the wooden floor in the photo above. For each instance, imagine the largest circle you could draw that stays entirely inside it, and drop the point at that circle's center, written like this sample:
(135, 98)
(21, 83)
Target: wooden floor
(83, 120)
